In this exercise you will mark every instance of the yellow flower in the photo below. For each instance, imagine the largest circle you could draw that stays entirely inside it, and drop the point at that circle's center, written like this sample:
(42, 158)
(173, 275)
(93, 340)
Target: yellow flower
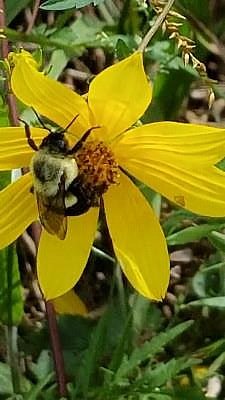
(177, 160)
(70, 304)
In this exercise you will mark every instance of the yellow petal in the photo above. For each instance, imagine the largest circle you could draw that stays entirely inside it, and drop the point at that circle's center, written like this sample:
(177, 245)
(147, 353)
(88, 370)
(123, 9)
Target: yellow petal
(48, 97)
(175, 142)
(119, 95)
(61, 263)
(181, 172)
(138, 240)
(70, 303)
(17, 209)
(14, 149)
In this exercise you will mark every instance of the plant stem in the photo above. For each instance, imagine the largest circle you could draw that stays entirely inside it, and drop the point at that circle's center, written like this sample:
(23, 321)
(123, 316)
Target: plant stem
(13, 118)
(11, 334)
(34, 15)
(35, 229)
(56, 349)
(12, 330)
(156, 26)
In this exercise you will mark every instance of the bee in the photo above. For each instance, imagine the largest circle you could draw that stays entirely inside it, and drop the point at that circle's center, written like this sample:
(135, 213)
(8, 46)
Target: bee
(56, 179)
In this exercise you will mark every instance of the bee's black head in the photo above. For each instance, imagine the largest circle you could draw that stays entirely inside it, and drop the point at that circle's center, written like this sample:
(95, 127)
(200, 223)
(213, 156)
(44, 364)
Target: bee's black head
(55, 143)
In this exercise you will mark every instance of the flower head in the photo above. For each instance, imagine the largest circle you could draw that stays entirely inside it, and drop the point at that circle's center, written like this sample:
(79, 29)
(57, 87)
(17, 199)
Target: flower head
(177, 160)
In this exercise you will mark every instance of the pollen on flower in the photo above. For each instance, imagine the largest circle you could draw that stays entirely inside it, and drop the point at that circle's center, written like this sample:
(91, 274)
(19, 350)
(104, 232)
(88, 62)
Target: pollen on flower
(98, 168)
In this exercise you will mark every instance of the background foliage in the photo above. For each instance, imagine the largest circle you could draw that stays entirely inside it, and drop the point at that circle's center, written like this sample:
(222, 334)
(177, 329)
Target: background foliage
(128, 348)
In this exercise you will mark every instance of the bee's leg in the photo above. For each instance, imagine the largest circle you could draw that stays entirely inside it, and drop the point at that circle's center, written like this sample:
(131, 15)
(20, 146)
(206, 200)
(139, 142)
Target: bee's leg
(81, 207)
(30, 141)
(83, 203)
(80, 142)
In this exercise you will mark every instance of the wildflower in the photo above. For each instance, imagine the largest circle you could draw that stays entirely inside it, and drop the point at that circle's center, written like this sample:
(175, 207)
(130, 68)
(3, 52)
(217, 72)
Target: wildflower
(177, 160)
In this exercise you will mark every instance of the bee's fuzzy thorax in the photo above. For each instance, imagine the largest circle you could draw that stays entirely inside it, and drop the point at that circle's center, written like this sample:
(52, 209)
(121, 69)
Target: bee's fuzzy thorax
(47, 170)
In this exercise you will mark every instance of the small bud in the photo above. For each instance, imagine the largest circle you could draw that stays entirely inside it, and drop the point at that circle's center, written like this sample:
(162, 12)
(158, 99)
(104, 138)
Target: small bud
(211, 98)
(175, 24)
(173, 35)
(186, 59)
(201, 67)
(164, 27)
(180, 43)
(176, 14)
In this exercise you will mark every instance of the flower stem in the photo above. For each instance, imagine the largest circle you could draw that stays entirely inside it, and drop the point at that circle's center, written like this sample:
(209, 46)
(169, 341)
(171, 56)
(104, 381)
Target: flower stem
(156, 26)
(35, 233)
(56, 349)
(4, 48)
(11, 331)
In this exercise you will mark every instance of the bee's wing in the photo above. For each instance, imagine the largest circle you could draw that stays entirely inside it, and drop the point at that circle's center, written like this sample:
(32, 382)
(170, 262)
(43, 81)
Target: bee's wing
(52, 212)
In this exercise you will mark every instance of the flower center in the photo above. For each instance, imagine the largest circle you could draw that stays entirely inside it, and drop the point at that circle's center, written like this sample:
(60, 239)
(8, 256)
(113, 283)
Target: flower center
(97, 168)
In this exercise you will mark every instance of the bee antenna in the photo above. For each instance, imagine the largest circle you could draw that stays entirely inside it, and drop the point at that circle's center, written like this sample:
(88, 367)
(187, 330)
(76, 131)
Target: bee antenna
(69, 125)
(40, 120)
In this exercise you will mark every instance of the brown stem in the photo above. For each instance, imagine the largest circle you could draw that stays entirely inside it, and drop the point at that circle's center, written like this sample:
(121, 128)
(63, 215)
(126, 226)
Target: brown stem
(11, 330)
(13, 118)
(35, 228)
(56, 349)
(34, 16)
(4, 42)
(160, 19)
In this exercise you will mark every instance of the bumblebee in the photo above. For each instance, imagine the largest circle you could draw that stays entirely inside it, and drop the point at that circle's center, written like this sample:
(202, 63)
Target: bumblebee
(56, 179)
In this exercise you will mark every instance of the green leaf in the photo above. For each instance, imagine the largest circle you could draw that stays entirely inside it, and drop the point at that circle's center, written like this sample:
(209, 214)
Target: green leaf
(149, 349)
(57, 63)
(68, 324)
(217, 302)
(11, 303)
(199, 9)
(5, 379)
(43, 366)
(5, 179)
(81, 32)
(38, 389)
(159, 396)
(3, 112)
(152, 197)
(216, 364)
(211, 350)
(188, 393)
(174, 221)
(93, 354)
(208, 281)
(192, 234)
(167, 371)
(164, 105)
(122, 50)
(13, 8)
(218, 240)
(120, 349)
(53, 5)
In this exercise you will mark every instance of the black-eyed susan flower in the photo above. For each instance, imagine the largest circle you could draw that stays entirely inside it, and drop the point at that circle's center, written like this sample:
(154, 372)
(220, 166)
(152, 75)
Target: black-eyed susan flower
(178, 160)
